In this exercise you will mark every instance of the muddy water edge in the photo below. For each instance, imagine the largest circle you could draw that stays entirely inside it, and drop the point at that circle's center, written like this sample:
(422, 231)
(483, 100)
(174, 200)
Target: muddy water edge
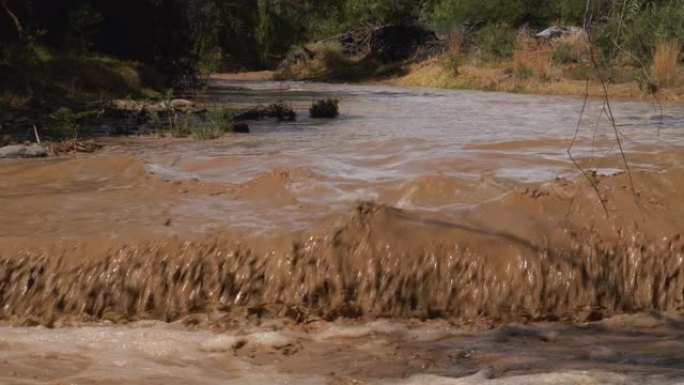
(424, 237)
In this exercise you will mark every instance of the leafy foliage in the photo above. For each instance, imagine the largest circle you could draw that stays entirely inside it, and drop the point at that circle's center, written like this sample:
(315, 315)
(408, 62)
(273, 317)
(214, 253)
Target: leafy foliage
(63, 124)
(446, 14)
(221, 120)
(496, 41)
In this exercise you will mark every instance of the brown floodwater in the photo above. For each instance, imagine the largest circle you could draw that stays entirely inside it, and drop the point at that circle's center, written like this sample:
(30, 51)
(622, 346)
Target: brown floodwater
(424, 237)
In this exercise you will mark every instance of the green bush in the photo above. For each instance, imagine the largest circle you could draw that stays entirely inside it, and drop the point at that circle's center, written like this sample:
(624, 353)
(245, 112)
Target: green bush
(281, 111)
(444, 15)
(221, 120)
(495, 42)
(63, 124)
(325, 109)
(632, 34)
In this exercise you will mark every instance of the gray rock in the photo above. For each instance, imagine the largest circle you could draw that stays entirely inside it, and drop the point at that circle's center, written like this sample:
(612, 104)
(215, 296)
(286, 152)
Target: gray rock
(555, 31)
(181, 103)
(551, 32)
(21, 151)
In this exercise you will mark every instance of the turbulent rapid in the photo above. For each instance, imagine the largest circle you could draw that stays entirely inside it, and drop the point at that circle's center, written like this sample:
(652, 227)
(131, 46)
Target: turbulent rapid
(418, 212)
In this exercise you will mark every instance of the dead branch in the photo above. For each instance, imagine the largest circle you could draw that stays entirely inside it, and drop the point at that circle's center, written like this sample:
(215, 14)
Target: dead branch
(13, 16)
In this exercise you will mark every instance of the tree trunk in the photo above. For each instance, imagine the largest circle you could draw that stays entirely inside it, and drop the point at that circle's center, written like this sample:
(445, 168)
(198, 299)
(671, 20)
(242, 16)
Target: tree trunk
(15, 19)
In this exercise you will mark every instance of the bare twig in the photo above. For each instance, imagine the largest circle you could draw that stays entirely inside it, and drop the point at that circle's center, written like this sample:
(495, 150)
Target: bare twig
(611, 118)
(587, 20)
(572, 158)
(607, 109)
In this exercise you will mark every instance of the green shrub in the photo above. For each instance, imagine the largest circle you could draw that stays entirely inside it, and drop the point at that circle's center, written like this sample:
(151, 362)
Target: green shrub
(325, 109)
(632, 35)
(444, 15)
(221, 120)
(495, 42)
(63, 124)
(281, 111)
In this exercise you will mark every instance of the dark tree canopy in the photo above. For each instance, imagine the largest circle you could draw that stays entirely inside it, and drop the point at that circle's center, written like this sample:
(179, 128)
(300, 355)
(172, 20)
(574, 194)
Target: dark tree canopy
(216, 35)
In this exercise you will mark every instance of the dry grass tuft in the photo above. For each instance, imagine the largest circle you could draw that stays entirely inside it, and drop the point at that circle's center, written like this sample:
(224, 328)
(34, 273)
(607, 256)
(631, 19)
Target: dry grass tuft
(454, 44)
(532, 60)
(665, 62)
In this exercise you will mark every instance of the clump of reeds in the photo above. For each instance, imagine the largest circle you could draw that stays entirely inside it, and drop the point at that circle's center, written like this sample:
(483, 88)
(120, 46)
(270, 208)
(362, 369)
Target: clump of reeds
(664, 66)
(532, 60)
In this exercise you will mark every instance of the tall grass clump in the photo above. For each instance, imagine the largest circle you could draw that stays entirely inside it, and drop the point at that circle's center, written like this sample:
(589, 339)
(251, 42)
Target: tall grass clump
(531, 60)
(221, 120)
(453, 59)
(207, 132)
(573, 49)
(664, 66)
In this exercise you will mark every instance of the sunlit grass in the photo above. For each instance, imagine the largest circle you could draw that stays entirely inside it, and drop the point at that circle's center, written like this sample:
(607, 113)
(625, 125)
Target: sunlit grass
(664, 68)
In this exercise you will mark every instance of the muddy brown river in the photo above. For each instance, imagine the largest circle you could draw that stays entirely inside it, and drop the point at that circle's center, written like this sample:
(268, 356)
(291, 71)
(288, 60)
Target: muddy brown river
(424, 237)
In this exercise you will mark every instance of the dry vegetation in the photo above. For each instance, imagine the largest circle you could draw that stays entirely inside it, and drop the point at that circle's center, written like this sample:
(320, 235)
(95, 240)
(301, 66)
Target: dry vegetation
(560, 66)
(665, 66)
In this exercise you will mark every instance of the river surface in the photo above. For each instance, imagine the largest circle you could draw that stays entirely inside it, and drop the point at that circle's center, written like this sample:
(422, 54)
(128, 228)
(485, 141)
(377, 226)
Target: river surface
(424, 237)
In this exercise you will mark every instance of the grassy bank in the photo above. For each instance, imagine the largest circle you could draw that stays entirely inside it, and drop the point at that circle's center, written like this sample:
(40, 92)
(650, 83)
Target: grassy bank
(34, 78)
(512, 62)
(551, 68)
